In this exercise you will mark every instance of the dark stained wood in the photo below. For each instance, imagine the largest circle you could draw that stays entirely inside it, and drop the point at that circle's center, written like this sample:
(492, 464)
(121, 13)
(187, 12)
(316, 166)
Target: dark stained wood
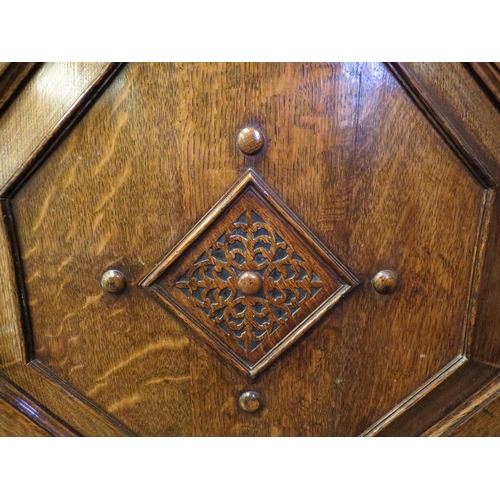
(12, 341)
(3, 67)
(480, 419)
(446, 397)
(346, 150)
(489, 74)
(476, 416)
(486, 346)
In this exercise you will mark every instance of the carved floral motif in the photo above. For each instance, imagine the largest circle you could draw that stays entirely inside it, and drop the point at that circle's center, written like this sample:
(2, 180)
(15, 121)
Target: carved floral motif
(249, 278)
(251, 244)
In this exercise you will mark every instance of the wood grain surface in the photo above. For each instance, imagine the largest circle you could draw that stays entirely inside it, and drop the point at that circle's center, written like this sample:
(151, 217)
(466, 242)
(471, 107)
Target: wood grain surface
(475, 416)
(35, 117)
(489, 74)
(28, 408)
(446, 397)
(15, 424)
(346, 149)
(297, 280)
(455, 99)
(485, 422)
(12, 76)
(27, 126)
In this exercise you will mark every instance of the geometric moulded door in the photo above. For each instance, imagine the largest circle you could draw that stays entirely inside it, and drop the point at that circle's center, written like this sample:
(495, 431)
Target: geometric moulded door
(249, 249)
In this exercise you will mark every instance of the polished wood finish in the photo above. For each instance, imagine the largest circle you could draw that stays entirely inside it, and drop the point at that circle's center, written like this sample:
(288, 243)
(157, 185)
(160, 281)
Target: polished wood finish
(250, 140)
(44, 112)
(476, 416)
(43, 421)
(12, 76)
(483, 423)
(28, 140)
(113, 281)
(250, 230)
(15, 424)
(447, 391)
(450, 98)
(130, 168)
(489, 74)
(250, 401)
(385, 281)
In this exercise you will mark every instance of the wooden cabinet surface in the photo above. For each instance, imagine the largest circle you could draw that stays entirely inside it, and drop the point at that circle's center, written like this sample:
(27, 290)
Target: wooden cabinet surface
(250, 249)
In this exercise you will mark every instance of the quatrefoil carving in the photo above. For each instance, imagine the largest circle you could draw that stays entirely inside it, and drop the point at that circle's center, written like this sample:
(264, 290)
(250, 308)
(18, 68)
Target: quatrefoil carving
(249, 233)
(251, 244)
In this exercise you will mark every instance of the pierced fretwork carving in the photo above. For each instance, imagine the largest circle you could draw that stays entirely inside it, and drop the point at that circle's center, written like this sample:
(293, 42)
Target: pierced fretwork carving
(250, 278)
(251, 244)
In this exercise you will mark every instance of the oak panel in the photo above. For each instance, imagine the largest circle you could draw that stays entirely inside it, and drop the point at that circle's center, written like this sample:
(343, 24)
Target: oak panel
(12, 75)
(32, 118)
(489, 75)
(31, 409)
(484, 420)
(467, 111)
(484, 423)
(443, 400)
(25, 113)
(346, 150)
(15, 424)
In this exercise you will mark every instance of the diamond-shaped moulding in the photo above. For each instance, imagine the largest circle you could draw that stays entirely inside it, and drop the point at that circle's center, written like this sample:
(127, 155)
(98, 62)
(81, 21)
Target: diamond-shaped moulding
(249, 278)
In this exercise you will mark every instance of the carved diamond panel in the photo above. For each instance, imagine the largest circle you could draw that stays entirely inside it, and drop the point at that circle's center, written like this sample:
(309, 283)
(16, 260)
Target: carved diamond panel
(249, 277)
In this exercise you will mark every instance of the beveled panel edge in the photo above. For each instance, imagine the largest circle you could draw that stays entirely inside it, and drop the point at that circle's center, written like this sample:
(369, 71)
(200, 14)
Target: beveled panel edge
(33, 410)
(478, 258)
(427, 387)
(200, 227)
(446, 395)
(466, 410)
(488, 73)
(13, 348)
(398, 418)
(61, 400)
(61, 129)
(22, 336)
(273, 198)
(485, 347)
(68, 388)
(11, 79)
(13, 250)
(38, 155)
(300, 329)
(482, 167)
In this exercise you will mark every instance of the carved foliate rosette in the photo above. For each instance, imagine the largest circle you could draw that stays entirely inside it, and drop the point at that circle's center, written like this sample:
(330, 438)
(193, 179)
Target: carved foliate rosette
(249, 278)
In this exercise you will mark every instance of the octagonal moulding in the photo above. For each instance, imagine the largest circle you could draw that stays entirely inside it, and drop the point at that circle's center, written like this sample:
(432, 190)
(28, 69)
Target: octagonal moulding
(200, 291)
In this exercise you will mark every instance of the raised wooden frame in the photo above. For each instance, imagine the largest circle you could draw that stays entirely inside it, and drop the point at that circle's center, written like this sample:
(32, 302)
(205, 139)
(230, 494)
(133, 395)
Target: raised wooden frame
(466, 380)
